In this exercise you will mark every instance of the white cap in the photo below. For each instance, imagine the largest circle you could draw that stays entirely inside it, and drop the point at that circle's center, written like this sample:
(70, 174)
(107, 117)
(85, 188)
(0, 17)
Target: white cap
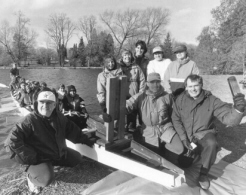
(157, 49)
(46, 95)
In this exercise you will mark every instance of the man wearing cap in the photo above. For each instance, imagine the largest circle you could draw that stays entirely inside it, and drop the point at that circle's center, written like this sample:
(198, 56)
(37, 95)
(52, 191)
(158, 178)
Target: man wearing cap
(159, 64)
(38, 141)
(157, 127)
(179, 69)
(135, 82)
(139, 56)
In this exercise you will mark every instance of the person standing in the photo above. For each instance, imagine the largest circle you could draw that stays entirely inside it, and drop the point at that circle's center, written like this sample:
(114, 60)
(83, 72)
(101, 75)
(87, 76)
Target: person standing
(179, 69)
(110, 69)
(135, 82)
(139, 56)
(194, 112)
(38, 142)
(14, 71)
(159, 64)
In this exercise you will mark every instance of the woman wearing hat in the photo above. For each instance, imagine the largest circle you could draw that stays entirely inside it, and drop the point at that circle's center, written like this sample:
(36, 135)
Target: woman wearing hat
(139, 56)
(159, 64)
(179, 70)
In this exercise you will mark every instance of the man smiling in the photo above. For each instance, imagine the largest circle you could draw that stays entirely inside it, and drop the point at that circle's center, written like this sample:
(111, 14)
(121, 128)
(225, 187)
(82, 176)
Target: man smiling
(38, 142)
(193, 118)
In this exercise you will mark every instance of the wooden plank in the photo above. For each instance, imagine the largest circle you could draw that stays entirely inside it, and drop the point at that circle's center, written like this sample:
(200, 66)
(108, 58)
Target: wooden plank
(110, 104)
(122, 109)
(97, 153)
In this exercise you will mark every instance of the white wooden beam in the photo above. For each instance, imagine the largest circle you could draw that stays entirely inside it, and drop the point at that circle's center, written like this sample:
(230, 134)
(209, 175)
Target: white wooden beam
(98, 153)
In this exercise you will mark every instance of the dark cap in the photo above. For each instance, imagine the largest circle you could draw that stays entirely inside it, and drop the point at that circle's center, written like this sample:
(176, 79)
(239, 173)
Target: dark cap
(180, 48)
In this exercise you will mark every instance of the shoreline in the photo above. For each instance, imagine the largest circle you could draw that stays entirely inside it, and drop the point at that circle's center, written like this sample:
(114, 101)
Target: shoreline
(51, 67)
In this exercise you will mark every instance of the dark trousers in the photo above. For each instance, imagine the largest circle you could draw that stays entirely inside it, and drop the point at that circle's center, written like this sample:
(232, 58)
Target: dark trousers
(207, 152)
(43, 174)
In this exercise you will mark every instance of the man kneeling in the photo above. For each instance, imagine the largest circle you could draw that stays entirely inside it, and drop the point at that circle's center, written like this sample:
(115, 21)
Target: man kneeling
(193, 115)
(38, 142)
(157, 127)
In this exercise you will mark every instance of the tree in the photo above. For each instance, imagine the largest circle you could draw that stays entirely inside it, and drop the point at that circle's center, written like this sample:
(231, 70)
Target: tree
(81, 52)
(60, 30)
(154, 22)
(45, 55)
(18, 38)
(168, 50)
(122, 25)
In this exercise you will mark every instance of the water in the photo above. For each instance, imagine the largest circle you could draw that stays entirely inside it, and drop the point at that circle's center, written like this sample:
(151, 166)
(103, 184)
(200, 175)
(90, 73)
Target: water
(83, 79)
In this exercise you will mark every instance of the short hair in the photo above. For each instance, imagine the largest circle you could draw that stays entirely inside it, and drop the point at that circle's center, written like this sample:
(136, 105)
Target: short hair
(112, 58)
(194, 77)
(143, 45)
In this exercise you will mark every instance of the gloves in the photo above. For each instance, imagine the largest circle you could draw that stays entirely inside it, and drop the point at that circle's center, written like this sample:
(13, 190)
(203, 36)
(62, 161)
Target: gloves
(186, 144)
(85, 140)
(239, 102)
(106, 117)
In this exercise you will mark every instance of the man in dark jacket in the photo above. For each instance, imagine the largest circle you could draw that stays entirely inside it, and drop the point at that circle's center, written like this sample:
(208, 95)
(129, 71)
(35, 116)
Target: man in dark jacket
(39, 141)
(193, 115)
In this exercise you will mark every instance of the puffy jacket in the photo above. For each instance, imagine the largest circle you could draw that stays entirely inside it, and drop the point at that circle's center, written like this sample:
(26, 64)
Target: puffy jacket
(153, 109)
(38, 139)
(142, 62)
(135, 78)
(179, 70)
(101, 82)
(191, 118)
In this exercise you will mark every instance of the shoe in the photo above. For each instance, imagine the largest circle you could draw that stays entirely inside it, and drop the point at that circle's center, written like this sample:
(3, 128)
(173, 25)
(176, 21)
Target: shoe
(32, 188)
(204, 182)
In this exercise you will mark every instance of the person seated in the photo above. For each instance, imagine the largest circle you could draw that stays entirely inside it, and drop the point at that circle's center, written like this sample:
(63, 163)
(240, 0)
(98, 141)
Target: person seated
(43, 84)
(74, 107)
(14, 85)
(157, 128)
(26, 99)
(194, 112)
(61, 93)
(38, 141)
(110, 69)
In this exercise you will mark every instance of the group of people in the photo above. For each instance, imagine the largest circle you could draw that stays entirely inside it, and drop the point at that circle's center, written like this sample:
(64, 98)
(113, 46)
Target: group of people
(174, 111)
(171, 114)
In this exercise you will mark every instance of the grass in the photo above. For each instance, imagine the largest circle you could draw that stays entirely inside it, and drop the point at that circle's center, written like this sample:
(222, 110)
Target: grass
(76, 180)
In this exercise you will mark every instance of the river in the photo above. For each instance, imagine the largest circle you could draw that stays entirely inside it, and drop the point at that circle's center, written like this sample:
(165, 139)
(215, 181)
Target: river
(83, 79)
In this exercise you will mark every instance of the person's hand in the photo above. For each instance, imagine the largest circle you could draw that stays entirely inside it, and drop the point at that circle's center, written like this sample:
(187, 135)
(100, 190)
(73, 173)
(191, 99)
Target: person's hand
(86, 115)
(186, 144)
(85, 140)
(239, 102)
(106, 117)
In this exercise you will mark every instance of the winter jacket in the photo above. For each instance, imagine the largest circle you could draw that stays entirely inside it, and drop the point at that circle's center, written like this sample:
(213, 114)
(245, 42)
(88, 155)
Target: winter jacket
(159, 67)
(101, 82)
(142, 62)
(191, 118)
(38, 139)
(179, 70)
(153, 110)
(135, 78)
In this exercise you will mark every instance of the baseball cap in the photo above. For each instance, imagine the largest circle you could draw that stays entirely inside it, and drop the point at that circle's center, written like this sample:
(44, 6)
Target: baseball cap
(153, 77)
(46, 95)
(157, 49)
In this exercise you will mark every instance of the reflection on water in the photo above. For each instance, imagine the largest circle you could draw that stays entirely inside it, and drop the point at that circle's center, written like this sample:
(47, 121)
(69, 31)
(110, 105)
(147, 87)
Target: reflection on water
(83, 79)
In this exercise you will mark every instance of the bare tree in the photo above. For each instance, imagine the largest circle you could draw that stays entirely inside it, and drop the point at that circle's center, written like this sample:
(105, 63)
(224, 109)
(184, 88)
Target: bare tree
(86, 25)
(154, 22)
(122, 25)
(60, 30)
(17, 39)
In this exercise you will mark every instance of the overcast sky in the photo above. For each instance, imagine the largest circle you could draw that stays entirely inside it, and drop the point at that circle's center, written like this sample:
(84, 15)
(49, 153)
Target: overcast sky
(188, 17)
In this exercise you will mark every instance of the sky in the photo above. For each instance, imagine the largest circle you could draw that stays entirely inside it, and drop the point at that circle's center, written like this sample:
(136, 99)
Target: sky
(187, 19)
